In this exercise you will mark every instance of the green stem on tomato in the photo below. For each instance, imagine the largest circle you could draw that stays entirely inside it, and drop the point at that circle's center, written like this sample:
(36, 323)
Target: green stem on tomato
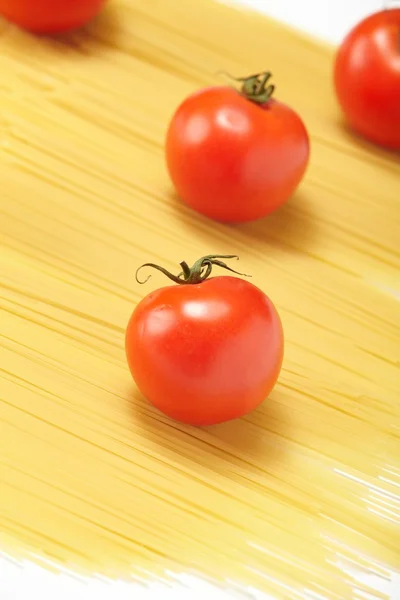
(199, 272)
(255, 88)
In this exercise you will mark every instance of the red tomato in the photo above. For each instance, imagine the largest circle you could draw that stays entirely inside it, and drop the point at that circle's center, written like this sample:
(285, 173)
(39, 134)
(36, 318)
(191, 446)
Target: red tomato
(50, 16)
(206, 351)
(236, 156)
(367, 78)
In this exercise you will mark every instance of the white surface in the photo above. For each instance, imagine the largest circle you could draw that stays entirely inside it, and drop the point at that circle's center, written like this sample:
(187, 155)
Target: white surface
(326, 19)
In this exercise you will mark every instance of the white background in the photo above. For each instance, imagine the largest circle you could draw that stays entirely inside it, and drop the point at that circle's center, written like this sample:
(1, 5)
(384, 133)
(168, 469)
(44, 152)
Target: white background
(326, 19)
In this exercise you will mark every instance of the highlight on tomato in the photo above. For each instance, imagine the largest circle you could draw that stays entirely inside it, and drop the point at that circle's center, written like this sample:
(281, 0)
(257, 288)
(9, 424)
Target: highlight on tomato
(367, 78)
(206, 349)
(236, 155)
(50, 16)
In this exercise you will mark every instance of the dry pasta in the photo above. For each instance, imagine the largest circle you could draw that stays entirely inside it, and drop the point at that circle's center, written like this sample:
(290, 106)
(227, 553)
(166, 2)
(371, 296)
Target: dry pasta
(300, 497)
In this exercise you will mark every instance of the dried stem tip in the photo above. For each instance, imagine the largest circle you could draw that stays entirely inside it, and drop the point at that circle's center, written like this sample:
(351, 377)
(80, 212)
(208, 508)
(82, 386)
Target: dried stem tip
(199, 272)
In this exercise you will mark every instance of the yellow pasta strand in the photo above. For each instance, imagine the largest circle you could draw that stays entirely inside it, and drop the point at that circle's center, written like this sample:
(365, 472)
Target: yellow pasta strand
(303, 495)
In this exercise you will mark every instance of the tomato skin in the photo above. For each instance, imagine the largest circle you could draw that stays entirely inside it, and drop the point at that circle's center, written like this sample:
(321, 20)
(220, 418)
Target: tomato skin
(205, 353)
(232, 159)
(49, 16)
(367, 78)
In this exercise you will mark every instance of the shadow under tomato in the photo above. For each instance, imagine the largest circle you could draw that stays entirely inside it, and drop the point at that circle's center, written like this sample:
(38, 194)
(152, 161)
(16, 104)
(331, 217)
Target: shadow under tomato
(103, 28)
(362, 143)
(246, 445)
(291, 227)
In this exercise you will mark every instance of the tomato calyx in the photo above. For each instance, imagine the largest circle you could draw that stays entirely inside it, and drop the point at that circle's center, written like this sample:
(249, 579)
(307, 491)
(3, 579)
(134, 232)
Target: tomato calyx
(196, 274)
(255, 88)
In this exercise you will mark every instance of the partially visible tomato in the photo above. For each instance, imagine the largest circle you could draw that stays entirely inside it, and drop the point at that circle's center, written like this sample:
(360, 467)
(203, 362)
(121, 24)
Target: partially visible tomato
(367, 78)
(236, 156)
(50, 16)
(207, 350)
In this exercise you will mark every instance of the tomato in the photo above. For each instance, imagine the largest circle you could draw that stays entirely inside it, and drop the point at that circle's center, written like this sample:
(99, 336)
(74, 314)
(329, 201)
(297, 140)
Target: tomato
(367, 78)
(207, 350)
(236, 156)
(50, 16)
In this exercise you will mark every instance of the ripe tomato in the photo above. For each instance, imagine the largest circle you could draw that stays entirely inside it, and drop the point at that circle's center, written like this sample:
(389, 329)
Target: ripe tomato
(50, 16)
(236, 156)
(367, 78)
(205, 351)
